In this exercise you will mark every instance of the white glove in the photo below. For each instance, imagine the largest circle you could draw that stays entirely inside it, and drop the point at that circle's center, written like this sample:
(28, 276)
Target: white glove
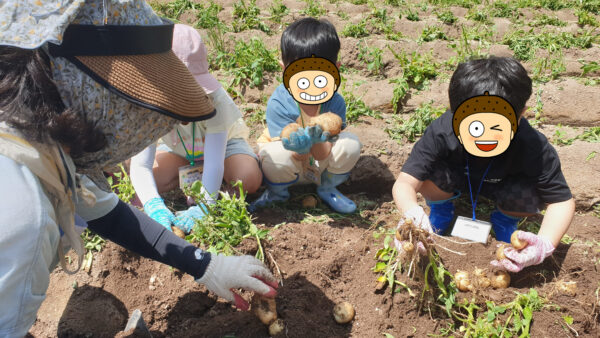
(225, 273)
(419, 218)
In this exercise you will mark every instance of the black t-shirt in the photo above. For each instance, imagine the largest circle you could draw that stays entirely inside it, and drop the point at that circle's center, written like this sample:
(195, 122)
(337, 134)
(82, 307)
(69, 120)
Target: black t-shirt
(529, 157)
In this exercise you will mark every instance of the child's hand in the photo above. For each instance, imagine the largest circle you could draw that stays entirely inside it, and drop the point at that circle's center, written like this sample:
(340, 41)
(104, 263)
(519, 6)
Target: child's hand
(316, 134)
(298, 142)
(419, 218)
(537, 249)
(187, 219)
(158, 211)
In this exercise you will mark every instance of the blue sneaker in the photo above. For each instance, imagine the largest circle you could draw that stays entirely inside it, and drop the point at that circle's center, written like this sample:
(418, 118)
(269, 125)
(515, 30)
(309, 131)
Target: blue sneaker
(330, 195)
(441, 215)
(503, 225)
(275, 192)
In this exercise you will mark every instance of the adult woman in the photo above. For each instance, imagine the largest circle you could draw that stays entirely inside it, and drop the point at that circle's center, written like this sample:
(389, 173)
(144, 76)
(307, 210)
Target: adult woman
(86, 85)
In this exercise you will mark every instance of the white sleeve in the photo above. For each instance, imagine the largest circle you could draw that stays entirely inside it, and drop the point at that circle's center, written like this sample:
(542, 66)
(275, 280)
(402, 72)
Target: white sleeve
(214, 167)
(29, 239)
(142, 176)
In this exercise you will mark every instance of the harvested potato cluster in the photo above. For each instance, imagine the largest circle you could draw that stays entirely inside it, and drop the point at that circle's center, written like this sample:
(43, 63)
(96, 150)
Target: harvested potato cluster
(266, 310)
(329, 122)
(479, 280)
(410, 234)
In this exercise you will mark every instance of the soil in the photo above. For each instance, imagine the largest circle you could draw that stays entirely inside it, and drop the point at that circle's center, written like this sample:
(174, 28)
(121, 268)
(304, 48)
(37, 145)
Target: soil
(322, 258)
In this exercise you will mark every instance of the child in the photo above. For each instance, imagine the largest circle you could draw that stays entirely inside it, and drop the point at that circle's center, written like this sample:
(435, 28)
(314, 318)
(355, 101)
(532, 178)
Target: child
(308, 156)
(522, 173)
(219, 141)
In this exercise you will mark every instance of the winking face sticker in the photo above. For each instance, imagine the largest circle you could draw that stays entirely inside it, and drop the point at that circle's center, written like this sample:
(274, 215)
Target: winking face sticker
(311, 80)
(485, 125)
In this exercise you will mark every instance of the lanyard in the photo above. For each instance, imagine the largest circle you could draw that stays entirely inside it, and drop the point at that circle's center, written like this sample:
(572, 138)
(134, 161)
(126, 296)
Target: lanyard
(189, 156)
(474, 202)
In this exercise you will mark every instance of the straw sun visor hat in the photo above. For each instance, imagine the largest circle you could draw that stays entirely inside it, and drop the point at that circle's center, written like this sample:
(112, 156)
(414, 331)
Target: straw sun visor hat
(133, 58)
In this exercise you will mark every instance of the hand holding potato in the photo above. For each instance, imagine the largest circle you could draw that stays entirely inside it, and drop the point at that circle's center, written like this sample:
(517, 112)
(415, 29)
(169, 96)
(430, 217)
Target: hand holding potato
(535, 251)
(225, 273)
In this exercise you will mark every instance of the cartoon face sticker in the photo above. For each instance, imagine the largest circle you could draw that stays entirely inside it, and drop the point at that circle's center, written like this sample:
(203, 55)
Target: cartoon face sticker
(485, 125)
(311, 80)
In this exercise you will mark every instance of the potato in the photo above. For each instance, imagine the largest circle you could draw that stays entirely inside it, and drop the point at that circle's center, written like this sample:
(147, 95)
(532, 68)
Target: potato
(287, 130)
(500, 280)
(178, 232)
(516, 242)
(329, 122)
(276, 327)
(500, 252)
(343, 312)
(484, 282)
(479, 273)
(309, 202)
(408, 247)
(461, 278)
(569, 288)
(398, 235)
(460, 275)
(264, 308)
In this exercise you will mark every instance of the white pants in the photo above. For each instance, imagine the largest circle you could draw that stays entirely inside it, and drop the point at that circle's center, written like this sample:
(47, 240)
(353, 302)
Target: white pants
(279, 166)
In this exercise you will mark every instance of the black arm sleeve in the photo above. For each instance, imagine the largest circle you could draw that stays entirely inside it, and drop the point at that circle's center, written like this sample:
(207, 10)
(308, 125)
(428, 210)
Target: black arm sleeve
(135, 231)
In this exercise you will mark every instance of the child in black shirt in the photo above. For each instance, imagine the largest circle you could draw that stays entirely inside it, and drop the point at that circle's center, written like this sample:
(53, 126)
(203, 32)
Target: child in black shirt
(521, 180)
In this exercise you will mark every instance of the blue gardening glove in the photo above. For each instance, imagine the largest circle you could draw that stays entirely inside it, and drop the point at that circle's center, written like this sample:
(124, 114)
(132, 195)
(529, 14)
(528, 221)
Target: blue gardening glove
(158, 211)
(316, 134)
(298, 142)
(186, 220)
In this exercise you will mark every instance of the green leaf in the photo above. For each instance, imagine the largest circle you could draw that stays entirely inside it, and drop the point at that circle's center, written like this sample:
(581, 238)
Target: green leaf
(568, 319)
(380, 266)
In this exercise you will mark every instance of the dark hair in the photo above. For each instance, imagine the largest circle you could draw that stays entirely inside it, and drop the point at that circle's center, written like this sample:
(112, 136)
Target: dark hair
(307, 37)
(31, 103)
(501, 76)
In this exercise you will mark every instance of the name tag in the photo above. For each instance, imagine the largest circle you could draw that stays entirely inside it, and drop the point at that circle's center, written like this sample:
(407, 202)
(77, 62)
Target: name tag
(473, 230)
(189, 174)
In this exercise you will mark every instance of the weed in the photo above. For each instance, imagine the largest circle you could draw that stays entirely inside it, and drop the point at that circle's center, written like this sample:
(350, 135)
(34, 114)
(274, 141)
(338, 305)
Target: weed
(372, 57)
(591, 155)
(418, 68)
(278, 10)
(383, 23)
(246, 16)
(479, 15)
(590, 135)
(91, 243)
(255, 117)
(207, 17)
(592, 6)
(226, 222)
(358, 30)
(395, 3)
(412, 15)
(585, 18)
(401, 89)
(314, 9)
(524, 44)
(588, 67)
(123, 187)
(544, 19)
(566, 239)
(355, 107)
(174, 9)
(343, 15)
(461, 3)
(447, 17)
(464, 49)
(538, 109)
(416, 124)
(388, 263)
(529, 225)
(431, 33)
(549, 68)
(504, 10)
(248, 62)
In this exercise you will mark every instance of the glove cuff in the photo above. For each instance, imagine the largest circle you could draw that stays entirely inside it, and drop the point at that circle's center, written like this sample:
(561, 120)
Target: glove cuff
(547, 247)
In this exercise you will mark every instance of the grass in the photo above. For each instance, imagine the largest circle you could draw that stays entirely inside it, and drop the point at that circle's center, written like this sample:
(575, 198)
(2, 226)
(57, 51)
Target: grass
(538, 109)
(358, 30)
(248, 62)
(355, 107)
(174, 9)
(446, 17)
(525, 43)
(410, 129)
(226, 223)
(278, 10)
(431, 33)
(589, 67)
(586, 18)
(246, 16)
(207, 17)
(504, 10)
(314, 9)
(548, 67)
(372, 57)
(545, 20)
(412, 15)
(123, 186)
(479, 15)
(464, 46)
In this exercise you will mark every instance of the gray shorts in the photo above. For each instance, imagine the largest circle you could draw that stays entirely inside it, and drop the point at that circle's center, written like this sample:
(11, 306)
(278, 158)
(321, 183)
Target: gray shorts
(234, 146)
(511, 194)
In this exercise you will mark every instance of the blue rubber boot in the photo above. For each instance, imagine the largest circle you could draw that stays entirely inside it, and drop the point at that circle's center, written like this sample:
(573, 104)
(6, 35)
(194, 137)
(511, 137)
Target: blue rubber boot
(330, 195)
(503, 225)
(276, 192)
(441, 215)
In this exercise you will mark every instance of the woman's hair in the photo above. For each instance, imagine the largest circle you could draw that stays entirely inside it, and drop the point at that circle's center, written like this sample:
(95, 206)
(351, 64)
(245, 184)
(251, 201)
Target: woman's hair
(31, 103)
